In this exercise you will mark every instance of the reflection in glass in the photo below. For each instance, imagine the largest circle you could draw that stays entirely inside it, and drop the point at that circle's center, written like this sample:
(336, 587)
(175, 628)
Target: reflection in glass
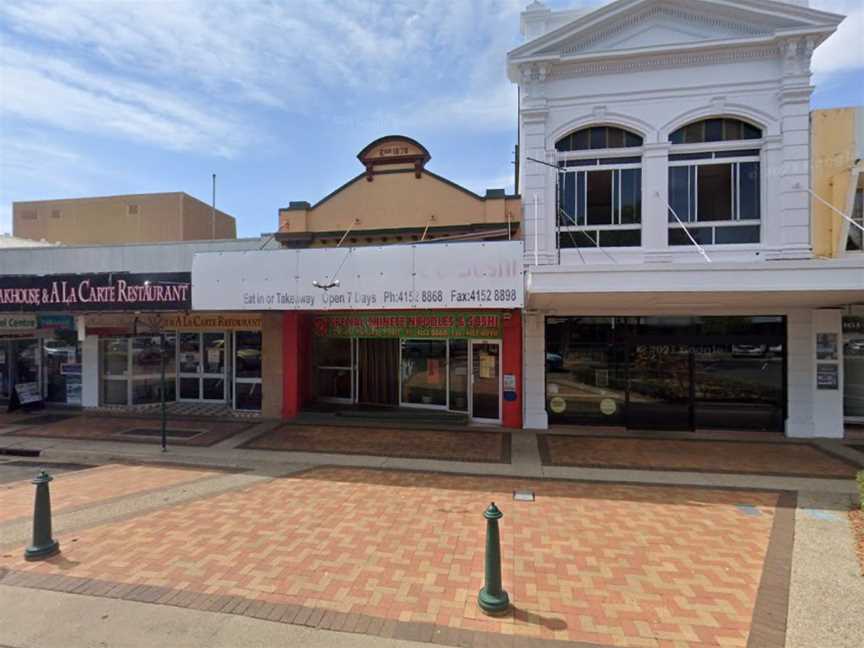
(248, 396)
(459, 375)
(214, 352)
(190, 352)
(485, 390)
(247, 354)
(333, 368)
(853, 367)
(424, 372)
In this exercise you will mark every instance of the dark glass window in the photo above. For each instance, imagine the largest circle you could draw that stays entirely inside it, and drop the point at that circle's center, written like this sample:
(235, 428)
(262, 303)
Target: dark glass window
(598, 137)
(743, 234)
(681, 193)
(702, 235)
(748, 183)
(714, 192)
(715, 130)
(567, 212)
(620, 238)
(599, 185)
(631, 196)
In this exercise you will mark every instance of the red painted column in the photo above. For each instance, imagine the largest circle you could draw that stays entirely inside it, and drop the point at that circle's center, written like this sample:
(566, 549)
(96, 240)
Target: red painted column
(511, 363)
(291, 364)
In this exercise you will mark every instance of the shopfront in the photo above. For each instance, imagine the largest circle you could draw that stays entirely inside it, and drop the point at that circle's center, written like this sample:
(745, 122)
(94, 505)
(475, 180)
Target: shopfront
(208, 358)
(438, 360)
(432, 327)
(42, 354)
(673, 372)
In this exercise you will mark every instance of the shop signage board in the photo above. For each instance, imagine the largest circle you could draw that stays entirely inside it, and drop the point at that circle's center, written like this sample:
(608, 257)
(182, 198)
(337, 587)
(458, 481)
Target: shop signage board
(212, 322)
(102, 291)
(28, 393)
(12, 323)
(429, 324)
(395, 277)
(56, 322)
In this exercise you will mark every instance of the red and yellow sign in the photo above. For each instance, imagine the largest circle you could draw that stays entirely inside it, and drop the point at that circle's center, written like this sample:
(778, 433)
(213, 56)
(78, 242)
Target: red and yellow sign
(428, 324)
(212, 322)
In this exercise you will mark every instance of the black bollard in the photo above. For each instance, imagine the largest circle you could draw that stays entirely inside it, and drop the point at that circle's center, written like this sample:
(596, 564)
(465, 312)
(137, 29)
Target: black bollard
(492, 599)
(44, 546)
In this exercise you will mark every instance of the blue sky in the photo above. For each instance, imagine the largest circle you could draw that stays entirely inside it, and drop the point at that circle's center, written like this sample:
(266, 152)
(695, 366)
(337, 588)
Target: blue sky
(275, 97)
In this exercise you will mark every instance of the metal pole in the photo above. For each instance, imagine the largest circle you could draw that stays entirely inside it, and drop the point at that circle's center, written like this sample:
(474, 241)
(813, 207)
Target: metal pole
(492, 599)
(213, 211)
(44, 545)
(163, 431)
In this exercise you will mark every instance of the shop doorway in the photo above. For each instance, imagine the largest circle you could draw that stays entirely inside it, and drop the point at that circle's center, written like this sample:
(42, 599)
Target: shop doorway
(202, 367)
(377, 372)
(20, 362)
(450, 375)
(485, 381)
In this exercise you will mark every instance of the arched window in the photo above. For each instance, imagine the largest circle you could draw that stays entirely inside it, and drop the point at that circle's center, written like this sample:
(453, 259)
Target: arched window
(598, 137)
(714, 183)
(715, 130)
(599, 188)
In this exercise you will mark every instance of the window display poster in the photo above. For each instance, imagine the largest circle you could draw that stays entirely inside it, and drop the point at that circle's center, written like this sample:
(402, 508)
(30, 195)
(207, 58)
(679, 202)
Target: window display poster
(488, 363)
(73, 389)
(827, 376)
(28, 393)
(826, 346)
(433, 371)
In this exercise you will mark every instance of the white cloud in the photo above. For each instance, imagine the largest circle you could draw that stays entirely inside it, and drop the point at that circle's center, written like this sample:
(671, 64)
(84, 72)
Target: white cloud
(844, 50)
(45, 90)
(179, 74)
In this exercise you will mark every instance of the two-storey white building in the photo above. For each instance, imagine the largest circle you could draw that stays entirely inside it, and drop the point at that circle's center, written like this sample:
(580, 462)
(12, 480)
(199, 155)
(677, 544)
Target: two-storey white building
(664, 170)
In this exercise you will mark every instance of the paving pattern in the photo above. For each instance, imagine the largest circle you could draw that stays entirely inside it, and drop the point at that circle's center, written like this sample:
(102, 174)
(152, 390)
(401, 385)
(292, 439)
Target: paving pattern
(449, 445)
(115, 428)
(384, 552)
(743, 457)
(92, 486)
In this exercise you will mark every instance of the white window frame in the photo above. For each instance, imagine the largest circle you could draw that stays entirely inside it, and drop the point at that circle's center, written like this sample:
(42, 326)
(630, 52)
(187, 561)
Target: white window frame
(735, 162)
(592, 231)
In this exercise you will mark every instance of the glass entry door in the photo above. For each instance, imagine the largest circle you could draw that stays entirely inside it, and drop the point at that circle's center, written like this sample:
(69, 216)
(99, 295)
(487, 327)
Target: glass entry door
(201, 361)
(486, 380)
(659, 380)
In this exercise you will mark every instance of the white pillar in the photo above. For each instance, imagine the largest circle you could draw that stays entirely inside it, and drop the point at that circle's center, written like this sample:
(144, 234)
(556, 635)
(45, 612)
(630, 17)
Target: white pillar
(813, 412)
(90, 371)
(534, 371)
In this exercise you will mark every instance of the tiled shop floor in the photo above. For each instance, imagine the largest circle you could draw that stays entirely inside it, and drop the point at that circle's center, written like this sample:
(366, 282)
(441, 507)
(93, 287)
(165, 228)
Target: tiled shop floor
(374, 551)
(87, 487)
(746, 457)
(450, 445)
(199, 432)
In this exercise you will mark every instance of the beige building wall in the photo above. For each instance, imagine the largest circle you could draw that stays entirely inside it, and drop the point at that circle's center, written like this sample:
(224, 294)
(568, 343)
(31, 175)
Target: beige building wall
(398, 200)
(835, 145)
(135, 218)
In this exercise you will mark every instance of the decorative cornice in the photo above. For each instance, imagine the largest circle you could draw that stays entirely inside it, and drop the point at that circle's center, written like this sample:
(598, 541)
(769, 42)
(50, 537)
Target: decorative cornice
(666, 12)
(666, 61)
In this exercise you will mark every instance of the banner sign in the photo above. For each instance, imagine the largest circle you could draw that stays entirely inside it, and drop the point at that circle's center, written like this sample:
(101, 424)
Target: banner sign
(15, 323)
(434, 324)
(98, 291)
(212, 322)
(853, 324)
(57, 322)
(393, 277)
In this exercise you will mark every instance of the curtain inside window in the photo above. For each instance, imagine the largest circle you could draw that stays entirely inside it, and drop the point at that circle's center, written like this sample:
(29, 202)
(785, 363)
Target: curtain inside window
(378, 372)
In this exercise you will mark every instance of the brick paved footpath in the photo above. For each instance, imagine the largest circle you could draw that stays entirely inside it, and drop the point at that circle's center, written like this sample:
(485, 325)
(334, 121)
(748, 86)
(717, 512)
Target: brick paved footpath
(79, 489)
(401, 554)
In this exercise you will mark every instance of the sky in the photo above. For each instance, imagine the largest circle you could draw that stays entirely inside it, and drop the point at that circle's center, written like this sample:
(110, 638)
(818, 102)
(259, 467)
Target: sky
(104, 97)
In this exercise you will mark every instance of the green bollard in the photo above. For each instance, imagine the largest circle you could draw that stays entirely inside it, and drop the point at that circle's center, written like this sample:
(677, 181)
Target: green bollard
(492, 599)
(44, 546)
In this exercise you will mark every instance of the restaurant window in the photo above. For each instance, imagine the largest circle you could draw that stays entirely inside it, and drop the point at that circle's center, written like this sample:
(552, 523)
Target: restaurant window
(714, 185)
(600, 188)
(131, 369)
(247, 370)
(424, 373)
